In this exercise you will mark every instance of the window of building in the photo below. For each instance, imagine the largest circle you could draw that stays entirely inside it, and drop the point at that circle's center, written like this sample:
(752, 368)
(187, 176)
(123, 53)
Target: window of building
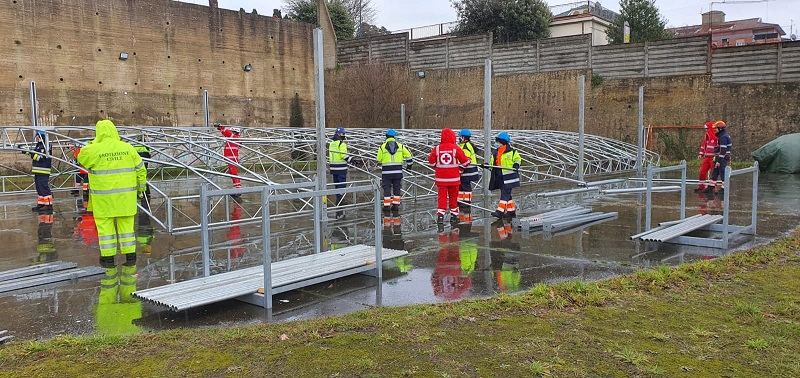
(765, 36)
(724, 41)
(739, 42)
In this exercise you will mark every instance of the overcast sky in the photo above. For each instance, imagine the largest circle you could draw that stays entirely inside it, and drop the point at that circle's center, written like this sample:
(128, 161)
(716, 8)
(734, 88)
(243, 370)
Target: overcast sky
(404, 14)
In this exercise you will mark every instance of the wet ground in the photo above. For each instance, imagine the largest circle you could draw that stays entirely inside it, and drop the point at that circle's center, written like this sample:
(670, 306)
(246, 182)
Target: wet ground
(474, 259)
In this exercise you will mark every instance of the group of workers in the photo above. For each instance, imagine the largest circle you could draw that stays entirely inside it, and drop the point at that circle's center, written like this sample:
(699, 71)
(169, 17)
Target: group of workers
(455, 169)
(715, 153)
(117, 175)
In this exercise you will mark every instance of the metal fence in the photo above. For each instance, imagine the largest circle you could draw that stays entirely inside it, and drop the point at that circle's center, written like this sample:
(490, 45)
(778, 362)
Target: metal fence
(767, 63)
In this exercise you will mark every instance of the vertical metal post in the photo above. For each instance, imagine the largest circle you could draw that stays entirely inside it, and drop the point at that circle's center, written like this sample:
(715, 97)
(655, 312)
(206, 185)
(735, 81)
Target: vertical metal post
(402, 116)
(206, 117)
(318, 214)
(683, 189)
(319, 93)
(487, 126)
(204, 229)
(581, 135)
(34, 106)
(649, 201)
(266, 248)
(754, 205)
(640, 134)
(726, 211)
(378, 233)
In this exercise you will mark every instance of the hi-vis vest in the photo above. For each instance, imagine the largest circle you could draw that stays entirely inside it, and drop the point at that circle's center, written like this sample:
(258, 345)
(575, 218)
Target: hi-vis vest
(391, 155)
(338, 157)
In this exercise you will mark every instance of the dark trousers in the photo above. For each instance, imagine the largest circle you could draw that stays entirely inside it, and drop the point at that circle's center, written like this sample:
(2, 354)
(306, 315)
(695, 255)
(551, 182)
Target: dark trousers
(465, 186)
(42, 185)
(719, 173)
(339, 181)
(391, 185)
(505, 194)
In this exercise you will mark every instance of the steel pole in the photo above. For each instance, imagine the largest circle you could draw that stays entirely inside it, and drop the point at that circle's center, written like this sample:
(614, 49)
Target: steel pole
(581, 135)
(319, 92)
(204, 229)
(34, 106)
(487, 125)
(640, 134)
(206, 115)
(402, 116)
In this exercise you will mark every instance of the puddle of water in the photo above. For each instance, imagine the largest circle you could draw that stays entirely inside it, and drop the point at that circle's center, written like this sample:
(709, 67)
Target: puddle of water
(471, 260)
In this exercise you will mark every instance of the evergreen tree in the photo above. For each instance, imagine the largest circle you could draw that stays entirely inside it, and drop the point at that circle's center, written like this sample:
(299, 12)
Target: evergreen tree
(508, 20)
(306, 11)
(644, 19)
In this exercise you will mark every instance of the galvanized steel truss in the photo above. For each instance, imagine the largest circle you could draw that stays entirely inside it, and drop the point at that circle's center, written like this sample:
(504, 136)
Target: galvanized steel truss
(185, 157)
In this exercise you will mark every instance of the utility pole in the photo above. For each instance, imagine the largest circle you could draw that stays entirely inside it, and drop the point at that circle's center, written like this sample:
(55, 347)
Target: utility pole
(360, 19)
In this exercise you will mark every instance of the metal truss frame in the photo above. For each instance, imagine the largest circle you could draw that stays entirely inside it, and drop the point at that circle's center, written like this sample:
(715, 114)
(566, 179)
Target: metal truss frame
(183, 158)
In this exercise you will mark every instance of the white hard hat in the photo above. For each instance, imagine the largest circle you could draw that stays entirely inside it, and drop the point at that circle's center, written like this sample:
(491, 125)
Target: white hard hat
(236, 130)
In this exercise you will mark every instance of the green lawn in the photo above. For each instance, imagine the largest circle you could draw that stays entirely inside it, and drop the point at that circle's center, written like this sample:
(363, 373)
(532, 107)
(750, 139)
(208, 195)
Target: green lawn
(738, 316)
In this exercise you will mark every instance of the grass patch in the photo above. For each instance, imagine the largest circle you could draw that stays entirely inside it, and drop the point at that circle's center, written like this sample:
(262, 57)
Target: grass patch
(738, 316)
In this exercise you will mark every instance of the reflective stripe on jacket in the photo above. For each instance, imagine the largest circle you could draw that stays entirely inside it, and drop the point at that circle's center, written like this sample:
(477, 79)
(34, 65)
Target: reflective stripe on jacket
(471, 172)
(709, 145)
(116, 172)
(448, 159)
(231, 149)
(338, 157)
(391, 156)
(508, 161)
(724, 145)
(41, 163)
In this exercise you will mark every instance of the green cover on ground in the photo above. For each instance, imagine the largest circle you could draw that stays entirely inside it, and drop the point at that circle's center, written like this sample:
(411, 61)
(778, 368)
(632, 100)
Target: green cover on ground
(782, 155)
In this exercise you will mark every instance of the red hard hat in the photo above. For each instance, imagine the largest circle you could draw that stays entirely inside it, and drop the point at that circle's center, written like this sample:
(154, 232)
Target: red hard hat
(720, 124)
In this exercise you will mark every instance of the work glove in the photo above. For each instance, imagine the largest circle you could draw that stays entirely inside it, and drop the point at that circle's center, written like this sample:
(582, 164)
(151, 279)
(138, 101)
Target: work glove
(409, 164)
(516, 167)
(218, 126)
(140, 194)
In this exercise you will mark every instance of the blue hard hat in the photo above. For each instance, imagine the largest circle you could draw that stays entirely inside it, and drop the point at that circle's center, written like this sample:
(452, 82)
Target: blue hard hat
(40, 133)
(391, 133)
(339, 130)
(465, 133)
(504, 136)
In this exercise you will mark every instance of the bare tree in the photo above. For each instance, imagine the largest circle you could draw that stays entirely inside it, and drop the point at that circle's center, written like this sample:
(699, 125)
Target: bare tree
(357, 9)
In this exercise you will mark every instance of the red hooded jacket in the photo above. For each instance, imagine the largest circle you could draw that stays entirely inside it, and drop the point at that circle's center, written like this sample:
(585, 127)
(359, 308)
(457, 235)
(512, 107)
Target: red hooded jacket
(448, 160)
(231, 150)
(709, 142)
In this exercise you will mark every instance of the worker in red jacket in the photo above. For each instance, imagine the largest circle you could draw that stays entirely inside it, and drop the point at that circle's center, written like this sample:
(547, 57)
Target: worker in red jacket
(231, 152)
(707, 155)
(448, 161)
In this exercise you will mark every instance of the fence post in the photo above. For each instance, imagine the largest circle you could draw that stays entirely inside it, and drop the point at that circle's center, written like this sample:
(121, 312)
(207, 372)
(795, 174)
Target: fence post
(369, 50)
(780, 62)
(646, 58)
(538, 55)
(709, 55)
(447, 52)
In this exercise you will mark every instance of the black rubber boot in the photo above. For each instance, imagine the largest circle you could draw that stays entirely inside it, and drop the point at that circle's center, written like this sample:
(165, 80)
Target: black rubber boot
(440, 219)
(395, 210)
(37, 208)
(497, 214)
(130, 256)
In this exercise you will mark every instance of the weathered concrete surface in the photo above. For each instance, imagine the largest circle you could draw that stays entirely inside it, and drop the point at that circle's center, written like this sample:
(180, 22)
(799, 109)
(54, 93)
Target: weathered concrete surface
(71, 49)
(755, 113)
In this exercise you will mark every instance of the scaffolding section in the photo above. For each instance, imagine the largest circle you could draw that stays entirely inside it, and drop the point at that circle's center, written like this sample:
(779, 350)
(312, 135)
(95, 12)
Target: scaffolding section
(185, 158)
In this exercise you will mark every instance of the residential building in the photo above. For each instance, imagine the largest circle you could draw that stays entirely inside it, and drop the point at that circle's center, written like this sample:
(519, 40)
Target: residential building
(732, 33)
(585, 17)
